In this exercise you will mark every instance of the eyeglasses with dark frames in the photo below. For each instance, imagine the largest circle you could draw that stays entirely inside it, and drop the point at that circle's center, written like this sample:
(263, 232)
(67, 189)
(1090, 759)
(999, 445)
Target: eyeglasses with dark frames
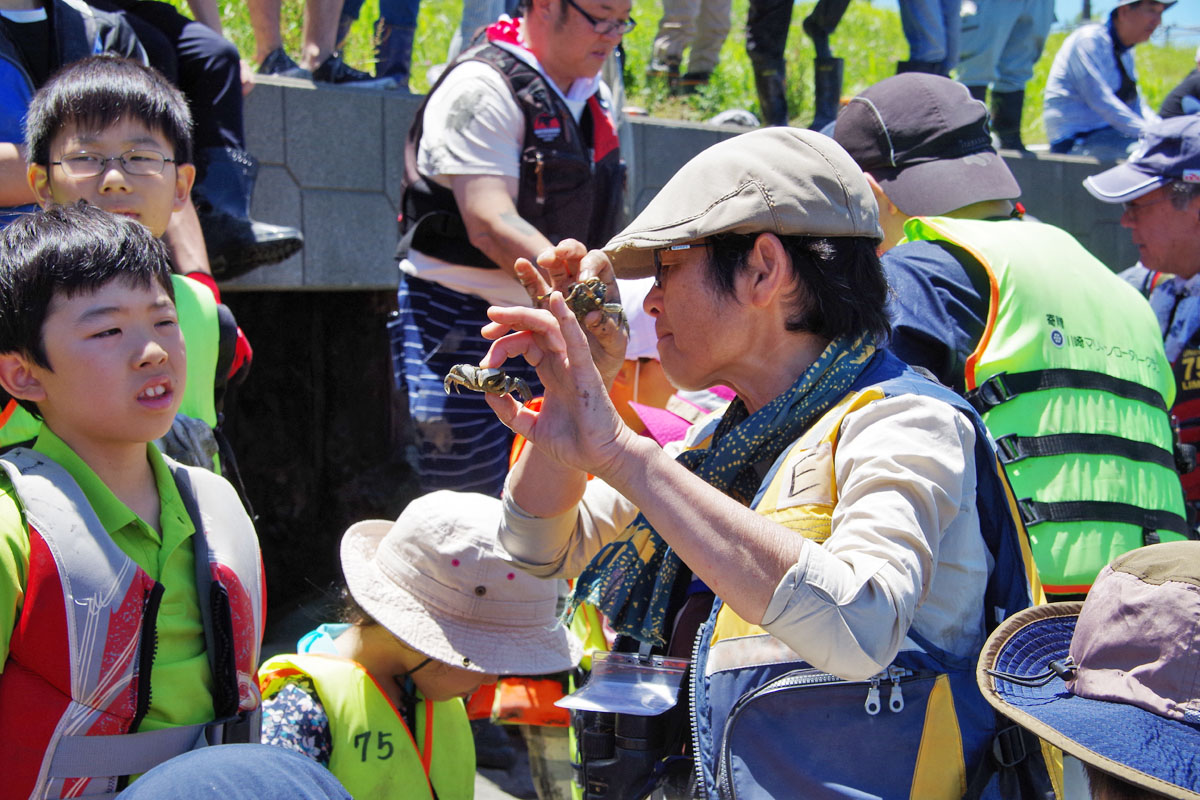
(133, 162)
(660, 268)
(604, 27)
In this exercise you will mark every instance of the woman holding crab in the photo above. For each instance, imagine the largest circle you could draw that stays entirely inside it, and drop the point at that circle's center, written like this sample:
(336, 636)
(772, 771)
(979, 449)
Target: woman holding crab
(844, 519)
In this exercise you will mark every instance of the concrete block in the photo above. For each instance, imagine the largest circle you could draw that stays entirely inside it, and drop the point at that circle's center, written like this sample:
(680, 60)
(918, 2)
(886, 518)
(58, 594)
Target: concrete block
(335, 138)
(663, 146)
(263, 115)
(349, 240)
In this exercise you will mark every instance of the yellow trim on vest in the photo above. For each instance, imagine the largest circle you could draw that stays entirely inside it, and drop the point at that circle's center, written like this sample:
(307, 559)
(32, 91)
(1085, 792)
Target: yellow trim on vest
(940, 757)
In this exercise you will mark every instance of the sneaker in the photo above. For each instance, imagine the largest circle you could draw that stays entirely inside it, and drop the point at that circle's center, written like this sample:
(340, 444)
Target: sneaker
(278, 62)
(335, 70)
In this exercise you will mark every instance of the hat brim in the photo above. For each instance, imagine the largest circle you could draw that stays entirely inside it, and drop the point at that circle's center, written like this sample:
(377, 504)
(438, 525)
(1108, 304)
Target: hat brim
(1126, 741)
(476, 646)
(1121, 184)
(944, 185)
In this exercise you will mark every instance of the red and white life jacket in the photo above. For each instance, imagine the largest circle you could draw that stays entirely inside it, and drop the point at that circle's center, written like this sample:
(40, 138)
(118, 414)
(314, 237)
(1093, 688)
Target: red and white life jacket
(76, 684)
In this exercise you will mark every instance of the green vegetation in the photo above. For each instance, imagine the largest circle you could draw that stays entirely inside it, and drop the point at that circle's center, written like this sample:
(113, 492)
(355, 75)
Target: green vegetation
(869, 39)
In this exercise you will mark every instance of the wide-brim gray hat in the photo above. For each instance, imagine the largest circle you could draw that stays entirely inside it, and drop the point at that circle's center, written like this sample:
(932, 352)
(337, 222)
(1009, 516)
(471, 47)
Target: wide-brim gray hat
(785, 181)
(433, 580)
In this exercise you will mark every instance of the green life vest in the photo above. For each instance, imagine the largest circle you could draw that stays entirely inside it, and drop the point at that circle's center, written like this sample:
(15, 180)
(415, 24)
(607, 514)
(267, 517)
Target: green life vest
(374, 754)
(1072, 381)
(197, 309)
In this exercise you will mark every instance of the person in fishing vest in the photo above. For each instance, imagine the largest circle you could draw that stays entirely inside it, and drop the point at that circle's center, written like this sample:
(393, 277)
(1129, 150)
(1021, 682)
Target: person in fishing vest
(842, 540)
(131, 587)
(514, 148)
(1159, 187)
(1062, 358)
(1091, 105)
(431, 614)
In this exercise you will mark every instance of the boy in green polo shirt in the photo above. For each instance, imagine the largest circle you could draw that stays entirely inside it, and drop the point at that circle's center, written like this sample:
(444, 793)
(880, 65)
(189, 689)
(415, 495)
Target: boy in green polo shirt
(131, 587)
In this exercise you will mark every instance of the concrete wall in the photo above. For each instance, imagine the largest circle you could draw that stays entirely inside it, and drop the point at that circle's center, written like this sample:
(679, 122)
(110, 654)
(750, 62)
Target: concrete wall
(332, 160)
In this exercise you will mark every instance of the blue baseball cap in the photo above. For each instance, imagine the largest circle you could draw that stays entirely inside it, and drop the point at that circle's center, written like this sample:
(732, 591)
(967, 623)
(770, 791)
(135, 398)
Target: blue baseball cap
(1168, 151)
(1114, 680)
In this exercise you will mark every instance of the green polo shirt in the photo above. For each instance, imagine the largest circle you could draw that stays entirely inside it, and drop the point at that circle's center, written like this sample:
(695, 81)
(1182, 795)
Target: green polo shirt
(181, 678)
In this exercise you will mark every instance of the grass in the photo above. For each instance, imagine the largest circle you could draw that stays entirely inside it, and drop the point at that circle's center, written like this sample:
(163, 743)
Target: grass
(869, 39)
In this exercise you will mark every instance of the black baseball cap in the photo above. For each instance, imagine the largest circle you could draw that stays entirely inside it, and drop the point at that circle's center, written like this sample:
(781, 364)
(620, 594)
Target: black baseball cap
(926, 142)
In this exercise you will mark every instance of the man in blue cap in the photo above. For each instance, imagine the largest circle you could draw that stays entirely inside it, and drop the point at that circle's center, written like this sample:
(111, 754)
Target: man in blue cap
(1160, 188)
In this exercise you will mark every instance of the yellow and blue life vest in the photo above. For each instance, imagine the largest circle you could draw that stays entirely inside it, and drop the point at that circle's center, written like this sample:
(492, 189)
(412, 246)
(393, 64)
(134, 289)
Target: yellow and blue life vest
(767, 724)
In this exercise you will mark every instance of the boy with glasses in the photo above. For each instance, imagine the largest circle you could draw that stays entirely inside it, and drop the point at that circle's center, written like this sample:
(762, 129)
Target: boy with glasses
(116, 135)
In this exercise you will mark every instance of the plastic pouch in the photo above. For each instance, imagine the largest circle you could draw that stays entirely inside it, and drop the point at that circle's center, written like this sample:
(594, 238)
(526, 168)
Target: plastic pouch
(628, 683)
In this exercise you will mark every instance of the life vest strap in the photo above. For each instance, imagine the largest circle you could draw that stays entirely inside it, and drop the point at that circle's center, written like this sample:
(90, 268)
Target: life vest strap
(1004, 386)
(1036, 513)
(1013, 448)
(124, 754)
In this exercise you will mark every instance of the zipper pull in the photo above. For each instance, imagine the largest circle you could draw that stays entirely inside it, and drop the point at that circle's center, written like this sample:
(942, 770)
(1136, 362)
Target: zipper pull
(896, 700)
(872, 705)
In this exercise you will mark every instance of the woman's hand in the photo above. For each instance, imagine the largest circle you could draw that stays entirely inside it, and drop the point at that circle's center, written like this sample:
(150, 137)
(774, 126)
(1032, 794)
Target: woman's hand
(577, 424)
(567, 263)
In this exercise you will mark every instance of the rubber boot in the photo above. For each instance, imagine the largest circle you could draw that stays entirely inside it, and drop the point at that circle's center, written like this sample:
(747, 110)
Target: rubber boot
(1006, 119)
(772, 97)
(393, 52)
(822, 22)
(931, 67)
(827, 83)
(236, 244)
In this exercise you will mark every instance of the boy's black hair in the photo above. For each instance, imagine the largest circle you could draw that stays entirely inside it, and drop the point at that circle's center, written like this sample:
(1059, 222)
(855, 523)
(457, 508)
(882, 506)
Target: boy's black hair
(96, 93)
(68, 251)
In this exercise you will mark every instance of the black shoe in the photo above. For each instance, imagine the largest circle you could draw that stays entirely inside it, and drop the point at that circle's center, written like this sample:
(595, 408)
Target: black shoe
(236, 244)
(280, 63)
(335, 70)
(663, 69)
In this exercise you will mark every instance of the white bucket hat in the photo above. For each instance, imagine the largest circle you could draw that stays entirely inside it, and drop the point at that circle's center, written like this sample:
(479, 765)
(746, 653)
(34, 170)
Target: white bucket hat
(433, 580)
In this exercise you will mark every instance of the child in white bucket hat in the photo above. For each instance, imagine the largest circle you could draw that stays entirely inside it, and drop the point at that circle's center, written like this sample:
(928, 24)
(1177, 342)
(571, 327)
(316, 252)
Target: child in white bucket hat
(434, 615)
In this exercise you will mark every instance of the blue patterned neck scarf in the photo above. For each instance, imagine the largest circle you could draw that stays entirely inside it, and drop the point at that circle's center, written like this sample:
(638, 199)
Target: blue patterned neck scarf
(633, 587)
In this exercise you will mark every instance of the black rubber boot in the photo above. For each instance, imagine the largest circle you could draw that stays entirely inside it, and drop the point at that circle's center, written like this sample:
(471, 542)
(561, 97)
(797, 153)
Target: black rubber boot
(979, 92)
(772, 97)
(827, 83)
(931, 67)
(236, 244)
(822, 22)
(393, 52)
(1006, 119)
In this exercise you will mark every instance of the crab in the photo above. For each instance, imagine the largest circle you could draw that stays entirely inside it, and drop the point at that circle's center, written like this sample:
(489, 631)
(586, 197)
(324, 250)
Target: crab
(587, 296)
(487, 380)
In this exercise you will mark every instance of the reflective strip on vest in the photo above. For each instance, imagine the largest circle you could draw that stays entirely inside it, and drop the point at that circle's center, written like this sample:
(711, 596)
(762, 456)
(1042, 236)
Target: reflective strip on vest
(76, 667)
(1054, 308)
(374, 754)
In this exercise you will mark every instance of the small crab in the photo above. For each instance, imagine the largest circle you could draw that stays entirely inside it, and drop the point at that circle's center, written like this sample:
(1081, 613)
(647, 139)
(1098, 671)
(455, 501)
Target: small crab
(587, 296)
(488, 380)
